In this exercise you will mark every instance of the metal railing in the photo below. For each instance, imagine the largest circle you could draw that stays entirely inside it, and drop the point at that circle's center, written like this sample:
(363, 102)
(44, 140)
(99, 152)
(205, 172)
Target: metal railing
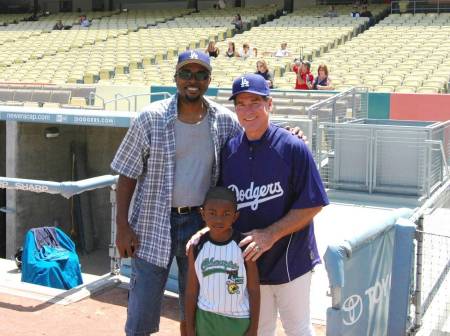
(384, 158)
(414, 6)
(129, 99)
(68, 189)
(349, 105)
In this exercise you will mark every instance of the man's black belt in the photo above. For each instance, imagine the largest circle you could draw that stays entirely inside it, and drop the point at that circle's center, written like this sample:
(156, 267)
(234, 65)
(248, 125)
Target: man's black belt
(185, 210)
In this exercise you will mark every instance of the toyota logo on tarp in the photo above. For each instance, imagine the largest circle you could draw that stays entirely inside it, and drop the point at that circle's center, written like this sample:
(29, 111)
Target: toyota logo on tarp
(353, 308)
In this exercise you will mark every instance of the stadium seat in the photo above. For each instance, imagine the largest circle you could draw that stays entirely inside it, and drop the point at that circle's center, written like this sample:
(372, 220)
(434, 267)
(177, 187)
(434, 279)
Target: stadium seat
(78, 101)
(427, 89)
(405, 89)
(384, 88)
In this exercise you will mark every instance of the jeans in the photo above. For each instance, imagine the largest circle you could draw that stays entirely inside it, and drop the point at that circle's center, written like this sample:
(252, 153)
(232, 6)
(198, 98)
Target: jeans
(147, 281)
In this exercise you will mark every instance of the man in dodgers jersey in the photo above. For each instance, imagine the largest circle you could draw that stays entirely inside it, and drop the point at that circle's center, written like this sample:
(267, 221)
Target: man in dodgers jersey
(279, 191)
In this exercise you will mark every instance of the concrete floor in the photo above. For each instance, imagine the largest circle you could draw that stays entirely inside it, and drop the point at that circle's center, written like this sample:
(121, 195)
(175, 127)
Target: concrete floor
(31, 310)
(102, 314)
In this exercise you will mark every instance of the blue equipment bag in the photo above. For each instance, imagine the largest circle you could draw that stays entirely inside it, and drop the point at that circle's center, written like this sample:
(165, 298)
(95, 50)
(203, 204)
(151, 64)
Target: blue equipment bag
(49, 259)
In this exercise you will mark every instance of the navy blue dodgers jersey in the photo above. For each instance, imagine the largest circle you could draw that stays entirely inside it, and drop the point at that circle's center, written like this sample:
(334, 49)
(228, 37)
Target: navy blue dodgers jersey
(222, 276)
(271, 176)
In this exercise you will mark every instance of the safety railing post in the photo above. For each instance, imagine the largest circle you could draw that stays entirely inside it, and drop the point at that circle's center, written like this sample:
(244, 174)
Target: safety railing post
(419, 262)
(115, 260)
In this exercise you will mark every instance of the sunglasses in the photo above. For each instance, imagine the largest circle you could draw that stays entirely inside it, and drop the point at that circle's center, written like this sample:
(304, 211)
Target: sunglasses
(187, 75)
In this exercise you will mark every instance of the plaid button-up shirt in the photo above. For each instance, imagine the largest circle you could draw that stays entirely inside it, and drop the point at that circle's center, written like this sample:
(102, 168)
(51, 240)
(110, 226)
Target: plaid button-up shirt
(147, 154)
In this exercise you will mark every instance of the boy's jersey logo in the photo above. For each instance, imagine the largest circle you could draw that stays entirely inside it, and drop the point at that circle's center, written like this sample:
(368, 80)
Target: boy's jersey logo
(233, 282)
(212, 266)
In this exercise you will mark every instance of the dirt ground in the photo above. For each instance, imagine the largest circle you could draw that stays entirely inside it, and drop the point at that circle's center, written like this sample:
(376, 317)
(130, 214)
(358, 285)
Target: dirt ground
(102, 314)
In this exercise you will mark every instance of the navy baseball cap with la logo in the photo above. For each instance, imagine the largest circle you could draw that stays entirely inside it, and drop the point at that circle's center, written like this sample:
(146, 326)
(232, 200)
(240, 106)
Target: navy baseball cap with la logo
(251, 83)
(193, 56)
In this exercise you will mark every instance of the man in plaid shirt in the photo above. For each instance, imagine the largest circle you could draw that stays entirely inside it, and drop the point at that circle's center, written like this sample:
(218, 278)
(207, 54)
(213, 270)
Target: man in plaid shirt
(171, 153)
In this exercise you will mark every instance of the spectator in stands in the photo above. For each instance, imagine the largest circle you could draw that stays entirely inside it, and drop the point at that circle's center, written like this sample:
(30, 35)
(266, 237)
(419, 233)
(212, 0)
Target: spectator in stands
(322, 81)
(84, 22)
(212, 50)
(355, 12)
(331, 12)
(58, 25)
(305, 78)
(365, 12)
(283, 51)
(221, 4)
(255, 52)
(238, 23)
(231, 51)
(245, 52)
(263, 70)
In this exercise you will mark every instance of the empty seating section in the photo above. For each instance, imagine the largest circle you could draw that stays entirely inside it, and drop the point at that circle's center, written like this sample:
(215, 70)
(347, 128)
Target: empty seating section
(11, 18)
(403, 53)
(130, 47)
(60, 56)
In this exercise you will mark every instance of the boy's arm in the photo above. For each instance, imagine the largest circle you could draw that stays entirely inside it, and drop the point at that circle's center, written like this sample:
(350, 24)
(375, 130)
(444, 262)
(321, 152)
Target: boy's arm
(191, 295)
(254, 297)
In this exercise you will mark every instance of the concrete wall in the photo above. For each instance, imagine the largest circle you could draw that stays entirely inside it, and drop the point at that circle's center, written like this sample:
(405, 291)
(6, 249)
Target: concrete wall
(84, 5)
(102, 144)
(259, 3)
(298, 4)
(145, 4)
(44, 159)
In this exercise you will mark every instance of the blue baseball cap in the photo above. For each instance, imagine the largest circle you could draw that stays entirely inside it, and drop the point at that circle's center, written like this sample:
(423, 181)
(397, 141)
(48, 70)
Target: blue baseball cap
(193, 56)
(251, 83)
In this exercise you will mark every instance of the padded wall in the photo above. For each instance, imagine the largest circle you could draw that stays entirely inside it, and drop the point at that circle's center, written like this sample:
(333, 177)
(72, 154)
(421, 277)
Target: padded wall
(429, 107)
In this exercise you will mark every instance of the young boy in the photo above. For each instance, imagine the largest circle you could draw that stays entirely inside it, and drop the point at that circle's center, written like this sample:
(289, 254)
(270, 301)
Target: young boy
(222, 291)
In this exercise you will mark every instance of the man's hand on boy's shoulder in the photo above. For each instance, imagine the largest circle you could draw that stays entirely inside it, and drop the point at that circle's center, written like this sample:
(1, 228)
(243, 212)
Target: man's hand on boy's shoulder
(193, 241)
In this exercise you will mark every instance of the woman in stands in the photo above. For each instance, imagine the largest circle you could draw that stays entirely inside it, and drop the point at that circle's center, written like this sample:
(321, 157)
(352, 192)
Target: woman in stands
(231, 51)
(322, 81)
(212, 49)
(263, 70)
(245, 52)
(305, 78)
